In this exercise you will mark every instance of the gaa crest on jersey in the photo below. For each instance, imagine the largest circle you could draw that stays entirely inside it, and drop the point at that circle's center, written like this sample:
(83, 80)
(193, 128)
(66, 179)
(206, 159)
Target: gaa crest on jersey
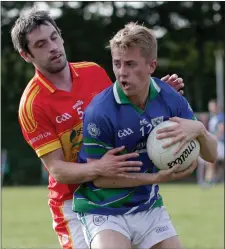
(93, 130)
(98, 220)
(157, 121)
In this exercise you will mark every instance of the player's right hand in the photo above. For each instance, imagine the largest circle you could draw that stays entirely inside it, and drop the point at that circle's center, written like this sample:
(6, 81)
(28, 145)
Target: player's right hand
(172, 174)
(175, 82)
(112, 164)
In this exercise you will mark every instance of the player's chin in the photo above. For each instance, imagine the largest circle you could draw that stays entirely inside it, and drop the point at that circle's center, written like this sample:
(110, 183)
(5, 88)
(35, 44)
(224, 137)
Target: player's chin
(57, 67)
(129, 92)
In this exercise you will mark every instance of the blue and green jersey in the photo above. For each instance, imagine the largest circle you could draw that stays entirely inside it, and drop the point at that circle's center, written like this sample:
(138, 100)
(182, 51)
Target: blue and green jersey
(111, 121)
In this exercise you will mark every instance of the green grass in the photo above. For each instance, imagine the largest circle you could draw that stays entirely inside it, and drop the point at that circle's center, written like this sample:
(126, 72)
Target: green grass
(197, 214)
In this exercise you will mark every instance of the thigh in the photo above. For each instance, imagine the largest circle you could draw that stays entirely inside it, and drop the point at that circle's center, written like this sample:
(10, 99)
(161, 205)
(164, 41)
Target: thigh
(109, 239)
(159, 228)
(67, 225)
(170, 243)
(102, 231)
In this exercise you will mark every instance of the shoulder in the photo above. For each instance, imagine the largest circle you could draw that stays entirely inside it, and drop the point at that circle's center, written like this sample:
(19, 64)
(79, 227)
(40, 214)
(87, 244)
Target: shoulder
(93, 75)
(102, 104)
(169, 94)
(31, 94)
(85, 67)
(30, 103)
(166, 88)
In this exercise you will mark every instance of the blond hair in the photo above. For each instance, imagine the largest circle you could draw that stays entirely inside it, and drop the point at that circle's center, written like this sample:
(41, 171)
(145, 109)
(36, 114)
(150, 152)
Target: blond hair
(134, 35)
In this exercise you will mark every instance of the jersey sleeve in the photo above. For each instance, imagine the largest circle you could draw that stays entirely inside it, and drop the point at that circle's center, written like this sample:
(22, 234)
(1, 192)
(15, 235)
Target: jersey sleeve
(185, 110)
(97, 134)
(38, 130)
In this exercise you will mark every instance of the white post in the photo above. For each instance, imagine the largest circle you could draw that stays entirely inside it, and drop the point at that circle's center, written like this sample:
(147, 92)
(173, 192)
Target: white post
(219, 67)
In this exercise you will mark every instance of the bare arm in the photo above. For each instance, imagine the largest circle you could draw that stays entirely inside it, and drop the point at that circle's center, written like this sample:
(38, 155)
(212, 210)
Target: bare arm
(71, 173)
(139, 179)
(208, 145)
(68, 172)
(132, 180)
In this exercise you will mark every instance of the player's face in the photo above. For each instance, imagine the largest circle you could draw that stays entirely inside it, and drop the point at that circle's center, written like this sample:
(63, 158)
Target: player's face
(132, 70)
(46, 48)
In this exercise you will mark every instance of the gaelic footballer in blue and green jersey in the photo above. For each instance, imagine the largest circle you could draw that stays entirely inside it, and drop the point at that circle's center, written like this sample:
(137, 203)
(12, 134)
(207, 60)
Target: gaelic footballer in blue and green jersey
(110, 121)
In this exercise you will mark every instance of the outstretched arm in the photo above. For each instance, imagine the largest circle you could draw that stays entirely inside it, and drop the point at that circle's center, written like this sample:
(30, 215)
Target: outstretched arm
(110, 164)
(139, 179)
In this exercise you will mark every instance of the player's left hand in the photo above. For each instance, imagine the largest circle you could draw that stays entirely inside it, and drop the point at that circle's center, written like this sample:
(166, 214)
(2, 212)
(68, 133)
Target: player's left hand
(175, 82)
(172, 174)
(184, 131)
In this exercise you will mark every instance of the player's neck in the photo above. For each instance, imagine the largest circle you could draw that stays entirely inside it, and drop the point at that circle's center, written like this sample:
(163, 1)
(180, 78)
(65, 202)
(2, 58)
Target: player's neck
(141, 99)
(61, 80)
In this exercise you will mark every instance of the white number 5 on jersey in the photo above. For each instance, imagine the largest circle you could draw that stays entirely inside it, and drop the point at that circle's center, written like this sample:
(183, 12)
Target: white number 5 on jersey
(80, 112)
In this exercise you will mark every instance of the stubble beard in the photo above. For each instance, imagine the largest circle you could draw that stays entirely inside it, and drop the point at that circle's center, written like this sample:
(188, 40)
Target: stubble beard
(57, 68)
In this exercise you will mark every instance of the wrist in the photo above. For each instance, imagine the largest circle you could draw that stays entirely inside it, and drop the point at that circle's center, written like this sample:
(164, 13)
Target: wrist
(153, 178)
(202, 131)
(92, 169)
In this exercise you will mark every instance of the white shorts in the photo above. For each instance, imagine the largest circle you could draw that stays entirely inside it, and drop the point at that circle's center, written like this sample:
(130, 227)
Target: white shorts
(67, 226)
(144, 229)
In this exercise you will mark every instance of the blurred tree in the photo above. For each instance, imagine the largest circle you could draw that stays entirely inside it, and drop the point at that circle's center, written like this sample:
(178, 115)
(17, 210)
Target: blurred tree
(202, 24)
(188, 35)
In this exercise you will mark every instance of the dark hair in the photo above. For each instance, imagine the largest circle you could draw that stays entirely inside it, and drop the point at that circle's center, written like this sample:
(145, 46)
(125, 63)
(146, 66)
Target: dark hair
(25, 24)
(213, 101)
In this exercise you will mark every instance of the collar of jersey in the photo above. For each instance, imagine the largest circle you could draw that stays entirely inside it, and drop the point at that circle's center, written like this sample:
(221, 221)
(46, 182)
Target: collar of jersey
(121, 98)
(47, 84)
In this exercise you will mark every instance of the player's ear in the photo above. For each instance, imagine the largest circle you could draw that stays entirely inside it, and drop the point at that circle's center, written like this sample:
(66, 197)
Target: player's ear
(152, 66)
(26, 56)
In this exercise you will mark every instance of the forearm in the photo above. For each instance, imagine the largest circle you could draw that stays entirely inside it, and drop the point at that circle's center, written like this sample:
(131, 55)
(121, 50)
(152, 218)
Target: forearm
(208, 145)
(72, 173)
(135, 180)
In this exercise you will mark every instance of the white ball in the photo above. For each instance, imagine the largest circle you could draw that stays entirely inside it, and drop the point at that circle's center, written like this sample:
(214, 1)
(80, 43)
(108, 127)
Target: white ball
(165, 158)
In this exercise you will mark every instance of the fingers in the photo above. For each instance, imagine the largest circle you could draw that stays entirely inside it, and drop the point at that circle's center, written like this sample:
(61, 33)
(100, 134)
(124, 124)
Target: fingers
(189, 170)
(127, 156)
(130, 164)
(178, 84)
(167, 134)
(167, 175)
(170, 79)
(175, 82)
(186, 172)
(174, 168)
(165, 78)
(175, 119)
(173, 77)
(180, 147)
(174, 140)
(167, 129)
(115, 150)
(193, 166)
(128, 169)
(181, 92)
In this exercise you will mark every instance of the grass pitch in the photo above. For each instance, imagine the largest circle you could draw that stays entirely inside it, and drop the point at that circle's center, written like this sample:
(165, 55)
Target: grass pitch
(198, 215)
